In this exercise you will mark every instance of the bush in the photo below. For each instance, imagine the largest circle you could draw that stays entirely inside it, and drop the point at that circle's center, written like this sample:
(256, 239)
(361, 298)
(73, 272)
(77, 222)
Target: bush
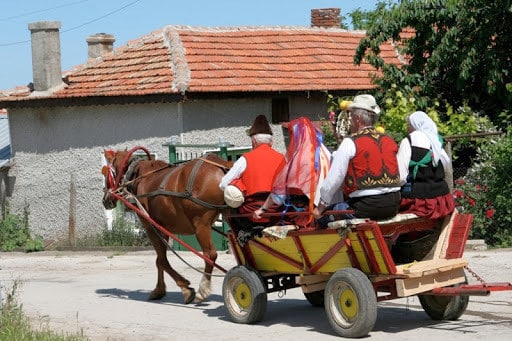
(126, 230)
(486, 192)
(15, 233)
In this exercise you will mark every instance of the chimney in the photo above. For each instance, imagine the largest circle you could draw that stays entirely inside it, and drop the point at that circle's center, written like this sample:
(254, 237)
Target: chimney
(99, 44)
(326, 17)
(46, 64)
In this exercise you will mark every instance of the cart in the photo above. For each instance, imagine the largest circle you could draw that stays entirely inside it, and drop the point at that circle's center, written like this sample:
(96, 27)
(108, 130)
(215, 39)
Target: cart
(353, 264)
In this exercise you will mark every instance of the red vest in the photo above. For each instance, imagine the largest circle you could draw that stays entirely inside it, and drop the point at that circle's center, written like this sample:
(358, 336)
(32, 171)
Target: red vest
(263, 163)
(374, 165)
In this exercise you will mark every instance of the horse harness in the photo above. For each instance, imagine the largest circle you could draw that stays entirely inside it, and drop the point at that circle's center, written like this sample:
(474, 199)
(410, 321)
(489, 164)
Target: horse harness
(188, 190)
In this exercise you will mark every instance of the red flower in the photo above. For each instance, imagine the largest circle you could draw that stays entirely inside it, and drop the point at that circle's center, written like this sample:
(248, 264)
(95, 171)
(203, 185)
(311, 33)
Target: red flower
(458, 193)
(459, 181)
(489, 213)
(472, 202)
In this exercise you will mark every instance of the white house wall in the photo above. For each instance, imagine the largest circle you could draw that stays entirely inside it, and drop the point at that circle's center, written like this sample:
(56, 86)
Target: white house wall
(47, 129)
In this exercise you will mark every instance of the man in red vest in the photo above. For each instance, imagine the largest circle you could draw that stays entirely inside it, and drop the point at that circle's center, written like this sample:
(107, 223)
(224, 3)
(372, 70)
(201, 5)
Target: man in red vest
(253, 174)
(364, 175)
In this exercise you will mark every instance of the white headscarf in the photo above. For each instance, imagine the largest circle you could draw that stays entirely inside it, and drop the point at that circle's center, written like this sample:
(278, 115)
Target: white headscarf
(421, 122)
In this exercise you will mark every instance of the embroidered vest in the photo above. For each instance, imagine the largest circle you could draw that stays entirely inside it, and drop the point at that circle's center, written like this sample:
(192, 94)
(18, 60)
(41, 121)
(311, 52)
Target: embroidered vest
(263, 162)
(374, 164)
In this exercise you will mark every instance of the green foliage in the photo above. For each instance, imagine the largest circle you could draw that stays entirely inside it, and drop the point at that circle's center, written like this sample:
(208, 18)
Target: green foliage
(14, 325)
(329, 138)
(362, 20)
(15, 233)
(486, 191)
(124, 232)
(459, 54)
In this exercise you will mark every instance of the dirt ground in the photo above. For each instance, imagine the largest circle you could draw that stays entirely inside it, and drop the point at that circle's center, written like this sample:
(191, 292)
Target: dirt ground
(104, 294)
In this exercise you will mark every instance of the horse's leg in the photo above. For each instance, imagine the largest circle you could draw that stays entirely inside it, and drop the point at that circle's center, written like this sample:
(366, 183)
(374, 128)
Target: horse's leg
(205, 241)
(162, 264)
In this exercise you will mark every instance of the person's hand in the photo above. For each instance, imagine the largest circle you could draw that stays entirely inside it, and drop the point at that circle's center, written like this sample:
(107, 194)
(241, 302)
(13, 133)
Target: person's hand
(317, 213)
(257, 214)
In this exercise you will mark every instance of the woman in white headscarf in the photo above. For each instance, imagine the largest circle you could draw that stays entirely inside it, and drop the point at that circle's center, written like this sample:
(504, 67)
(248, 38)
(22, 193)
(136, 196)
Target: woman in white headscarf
(422, 162)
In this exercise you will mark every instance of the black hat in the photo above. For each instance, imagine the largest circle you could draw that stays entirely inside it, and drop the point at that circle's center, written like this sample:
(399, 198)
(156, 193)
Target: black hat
(260, 126)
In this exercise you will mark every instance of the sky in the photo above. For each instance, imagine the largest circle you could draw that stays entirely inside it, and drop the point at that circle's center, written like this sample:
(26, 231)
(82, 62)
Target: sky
(131, 19)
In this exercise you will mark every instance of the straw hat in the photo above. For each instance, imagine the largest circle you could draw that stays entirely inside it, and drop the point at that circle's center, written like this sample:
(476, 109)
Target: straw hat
(365, 102)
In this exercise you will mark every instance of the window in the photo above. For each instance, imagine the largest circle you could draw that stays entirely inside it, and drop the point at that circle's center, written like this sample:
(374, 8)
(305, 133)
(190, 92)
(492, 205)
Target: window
(280, 110)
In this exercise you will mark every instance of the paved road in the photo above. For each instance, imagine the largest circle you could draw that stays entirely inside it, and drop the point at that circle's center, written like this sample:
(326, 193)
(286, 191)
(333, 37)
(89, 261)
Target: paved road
(104, 294)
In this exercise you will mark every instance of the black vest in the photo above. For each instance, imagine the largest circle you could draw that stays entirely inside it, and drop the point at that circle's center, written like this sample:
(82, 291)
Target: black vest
(429, 181)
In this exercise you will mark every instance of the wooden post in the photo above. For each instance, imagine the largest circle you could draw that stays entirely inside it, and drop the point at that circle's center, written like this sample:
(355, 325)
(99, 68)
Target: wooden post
(72, 211)
(448, 175)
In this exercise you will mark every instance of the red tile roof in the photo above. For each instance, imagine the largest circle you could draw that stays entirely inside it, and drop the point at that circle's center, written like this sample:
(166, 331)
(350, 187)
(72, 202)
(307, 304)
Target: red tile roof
(181, 59)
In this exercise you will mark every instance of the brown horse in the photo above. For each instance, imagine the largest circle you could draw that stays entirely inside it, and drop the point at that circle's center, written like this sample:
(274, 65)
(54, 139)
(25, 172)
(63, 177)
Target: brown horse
(183, 199)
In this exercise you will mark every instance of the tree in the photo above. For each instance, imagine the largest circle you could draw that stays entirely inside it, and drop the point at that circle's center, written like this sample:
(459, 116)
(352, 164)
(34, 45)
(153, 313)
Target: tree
(458, 52)
(362, 20)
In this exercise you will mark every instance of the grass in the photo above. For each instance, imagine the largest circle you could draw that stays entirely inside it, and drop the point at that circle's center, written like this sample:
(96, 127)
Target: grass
(16, 326)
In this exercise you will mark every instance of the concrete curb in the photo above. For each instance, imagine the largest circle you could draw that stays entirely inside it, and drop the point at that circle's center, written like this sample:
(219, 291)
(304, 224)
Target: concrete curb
(476, 245)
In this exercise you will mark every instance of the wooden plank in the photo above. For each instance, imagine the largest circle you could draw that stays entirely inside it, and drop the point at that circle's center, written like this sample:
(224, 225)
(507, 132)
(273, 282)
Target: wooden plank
(416, 285)
(430, 266)
(313, 287)
(439, 249)
(312, 279)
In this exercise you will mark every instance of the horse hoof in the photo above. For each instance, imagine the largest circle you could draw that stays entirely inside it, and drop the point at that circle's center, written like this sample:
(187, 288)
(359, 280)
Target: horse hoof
(191, 296)
(156, 296)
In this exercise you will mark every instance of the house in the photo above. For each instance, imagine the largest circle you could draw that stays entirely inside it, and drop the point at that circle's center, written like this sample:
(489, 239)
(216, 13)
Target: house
(200, 83)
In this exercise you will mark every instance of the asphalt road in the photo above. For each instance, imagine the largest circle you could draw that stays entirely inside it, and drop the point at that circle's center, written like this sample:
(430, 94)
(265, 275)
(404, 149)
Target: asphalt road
(104, 295)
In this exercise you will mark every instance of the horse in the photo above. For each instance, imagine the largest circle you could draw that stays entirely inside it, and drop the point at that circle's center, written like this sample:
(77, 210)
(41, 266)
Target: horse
(183, 198)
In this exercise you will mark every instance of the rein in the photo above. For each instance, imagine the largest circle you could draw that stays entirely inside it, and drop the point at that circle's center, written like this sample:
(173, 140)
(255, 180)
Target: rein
(188, 190)
(126, 163)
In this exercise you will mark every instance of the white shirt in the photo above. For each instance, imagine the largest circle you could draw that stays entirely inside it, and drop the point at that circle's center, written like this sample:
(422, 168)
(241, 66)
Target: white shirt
(418, 139)
(234, 173)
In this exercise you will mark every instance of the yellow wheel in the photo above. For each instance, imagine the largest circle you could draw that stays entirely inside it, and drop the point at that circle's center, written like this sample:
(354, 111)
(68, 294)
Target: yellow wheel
(242, 295)
(245, 296)
(350, 303)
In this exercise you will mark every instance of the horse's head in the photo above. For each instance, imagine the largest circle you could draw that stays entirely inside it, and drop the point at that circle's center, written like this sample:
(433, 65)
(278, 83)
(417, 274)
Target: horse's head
(114, 170)
(111, 171)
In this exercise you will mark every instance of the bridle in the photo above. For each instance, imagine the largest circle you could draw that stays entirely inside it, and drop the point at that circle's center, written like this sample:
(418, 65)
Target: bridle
(113, 179)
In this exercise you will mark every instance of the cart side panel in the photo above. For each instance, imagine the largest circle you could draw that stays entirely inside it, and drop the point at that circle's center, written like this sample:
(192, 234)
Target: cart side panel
(300, 253)
(371, 249)
(459, 235)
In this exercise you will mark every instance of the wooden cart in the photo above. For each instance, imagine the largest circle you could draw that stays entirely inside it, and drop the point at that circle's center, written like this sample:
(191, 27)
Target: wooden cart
(352, 265)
